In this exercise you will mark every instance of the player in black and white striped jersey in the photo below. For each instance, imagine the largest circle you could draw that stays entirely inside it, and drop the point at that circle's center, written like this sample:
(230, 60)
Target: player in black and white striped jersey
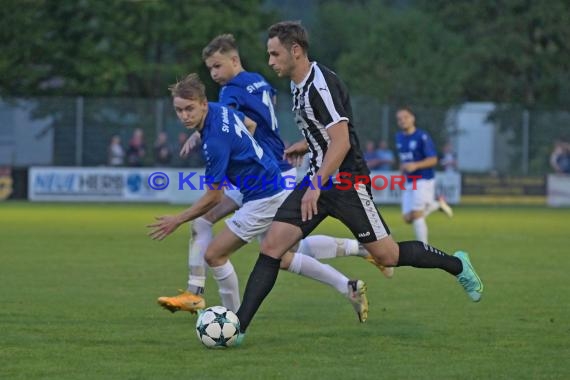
(320, 101)
(323, 114)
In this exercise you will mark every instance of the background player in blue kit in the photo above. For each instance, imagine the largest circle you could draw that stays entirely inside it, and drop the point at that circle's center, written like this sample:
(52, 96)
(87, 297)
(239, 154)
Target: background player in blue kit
(231, 152)
(418, 157)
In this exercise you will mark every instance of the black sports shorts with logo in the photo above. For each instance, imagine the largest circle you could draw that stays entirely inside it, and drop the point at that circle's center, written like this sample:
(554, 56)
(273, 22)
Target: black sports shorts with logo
(353, 207)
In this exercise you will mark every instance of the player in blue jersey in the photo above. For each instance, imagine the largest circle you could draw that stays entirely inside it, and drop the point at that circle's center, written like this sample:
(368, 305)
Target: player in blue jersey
(418, 157)
(232, 153)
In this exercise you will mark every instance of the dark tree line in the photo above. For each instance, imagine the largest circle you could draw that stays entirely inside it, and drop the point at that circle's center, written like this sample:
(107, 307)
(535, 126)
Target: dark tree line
(432, 52)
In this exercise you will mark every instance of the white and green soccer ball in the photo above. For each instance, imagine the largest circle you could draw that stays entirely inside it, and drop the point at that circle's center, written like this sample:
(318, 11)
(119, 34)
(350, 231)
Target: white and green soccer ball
(217, 327)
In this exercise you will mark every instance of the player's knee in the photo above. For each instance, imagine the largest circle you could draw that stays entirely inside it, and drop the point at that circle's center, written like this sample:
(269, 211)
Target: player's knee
(385, 252)
(213, 259)
(416, 215)
(267, 245)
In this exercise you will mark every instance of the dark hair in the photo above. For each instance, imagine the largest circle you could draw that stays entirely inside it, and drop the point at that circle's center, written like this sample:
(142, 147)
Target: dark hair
(289, 33)
(406, 108)
(223, 43)
(190, 88)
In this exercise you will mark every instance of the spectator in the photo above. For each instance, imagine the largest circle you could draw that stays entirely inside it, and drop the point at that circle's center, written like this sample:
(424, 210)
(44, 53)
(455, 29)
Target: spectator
(448, 159)
(115, 152)
(370, 156)
(385, 156)
(162, 151)
(136, 150)
(560, 157)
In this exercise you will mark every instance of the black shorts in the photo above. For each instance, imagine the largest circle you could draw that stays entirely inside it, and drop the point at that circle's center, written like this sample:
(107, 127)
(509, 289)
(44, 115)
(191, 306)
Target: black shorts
(354, 208)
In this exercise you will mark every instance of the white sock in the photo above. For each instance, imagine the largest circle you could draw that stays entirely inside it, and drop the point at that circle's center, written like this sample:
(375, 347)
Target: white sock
(309, 267)
(351, 247)
(431, 207)
(228, 285)
(327, 247)
(421, 229)
(201, 236)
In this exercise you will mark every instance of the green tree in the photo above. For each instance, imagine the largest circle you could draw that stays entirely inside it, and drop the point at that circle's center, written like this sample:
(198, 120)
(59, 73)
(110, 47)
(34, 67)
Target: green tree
(396, 55)
(118, 48)
(517, 50)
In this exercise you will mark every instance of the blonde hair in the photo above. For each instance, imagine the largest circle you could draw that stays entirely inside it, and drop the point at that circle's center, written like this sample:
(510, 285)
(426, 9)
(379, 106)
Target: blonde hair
(190, 88)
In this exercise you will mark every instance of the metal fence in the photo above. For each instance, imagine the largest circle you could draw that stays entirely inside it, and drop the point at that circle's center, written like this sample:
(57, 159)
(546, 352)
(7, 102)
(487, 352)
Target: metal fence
(59, 131)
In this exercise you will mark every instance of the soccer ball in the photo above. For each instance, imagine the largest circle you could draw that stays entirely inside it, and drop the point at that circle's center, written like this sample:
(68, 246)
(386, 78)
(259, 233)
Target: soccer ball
(217, 327)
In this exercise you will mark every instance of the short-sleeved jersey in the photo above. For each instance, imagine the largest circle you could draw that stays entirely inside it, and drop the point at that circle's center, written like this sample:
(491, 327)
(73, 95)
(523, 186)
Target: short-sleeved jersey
(233, 155)
(416, 147)
(251, 94)
(320, 101)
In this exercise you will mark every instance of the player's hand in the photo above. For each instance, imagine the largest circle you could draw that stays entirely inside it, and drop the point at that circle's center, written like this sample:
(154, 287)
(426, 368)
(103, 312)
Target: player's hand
(309, 203)
(295, 160)
(164, 226)
(190, 144)
(295, 153)
(409, 167)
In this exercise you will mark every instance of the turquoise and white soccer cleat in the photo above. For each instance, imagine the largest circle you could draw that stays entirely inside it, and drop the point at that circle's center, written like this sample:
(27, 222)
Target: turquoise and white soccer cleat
(239, 340)
(358, 299)
(468, 277)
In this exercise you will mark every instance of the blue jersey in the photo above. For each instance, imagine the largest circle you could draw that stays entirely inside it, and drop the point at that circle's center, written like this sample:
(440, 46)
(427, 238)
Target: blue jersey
(233, 155)
(251, 94)
(416, 147)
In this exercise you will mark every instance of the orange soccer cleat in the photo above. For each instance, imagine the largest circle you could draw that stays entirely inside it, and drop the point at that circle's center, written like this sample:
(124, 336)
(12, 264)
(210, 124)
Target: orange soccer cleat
(185, 301)
(388, 272)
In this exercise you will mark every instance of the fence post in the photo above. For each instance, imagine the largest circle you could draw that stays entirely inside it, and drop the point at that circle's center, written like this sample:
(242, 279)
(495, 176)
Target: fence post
(79, 131)
(525, 141)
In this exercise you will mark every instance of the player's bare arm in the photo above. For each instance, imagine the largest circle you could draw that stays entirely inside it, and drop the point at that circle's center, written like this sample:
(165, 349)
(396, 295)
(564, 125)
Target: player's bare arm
(190, 144)
(336, 152)
(428, 162)
(167, 224)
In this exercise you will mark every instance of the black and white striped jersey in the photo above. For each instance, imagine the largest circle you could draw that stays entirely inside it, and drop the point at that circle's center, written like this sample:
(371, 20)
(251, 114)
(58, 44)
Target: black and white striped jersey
(320, 101)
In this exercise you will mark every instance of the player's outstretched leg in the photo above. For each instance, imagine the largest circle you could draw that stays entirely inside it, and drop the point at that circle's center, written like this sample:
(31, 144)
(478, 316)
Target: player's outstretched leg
(444, 206)
(468, 278)
(328, 247)
(185, 301)
(420, 255)
(259, 284)
(192, 298)
(312, 268)
(358, 298)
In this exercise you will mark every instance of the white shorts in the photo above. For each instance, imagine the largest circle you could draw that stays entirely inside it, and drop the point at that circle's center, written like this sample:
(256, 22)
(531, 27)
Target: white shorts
(254, 217)
(288, 182)
(235, 195)
(420, 198)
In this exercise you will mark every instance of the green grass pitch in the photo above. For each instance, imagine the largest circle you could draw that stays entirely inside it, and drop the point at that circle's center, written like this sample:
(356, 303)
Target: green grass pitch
(79, 285)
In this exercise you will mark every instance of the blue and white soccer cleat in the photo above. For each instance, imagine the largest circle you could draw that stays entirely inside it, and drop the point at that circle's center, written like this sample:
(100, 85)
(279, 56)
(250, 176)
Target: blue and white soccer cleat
(468, 277)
